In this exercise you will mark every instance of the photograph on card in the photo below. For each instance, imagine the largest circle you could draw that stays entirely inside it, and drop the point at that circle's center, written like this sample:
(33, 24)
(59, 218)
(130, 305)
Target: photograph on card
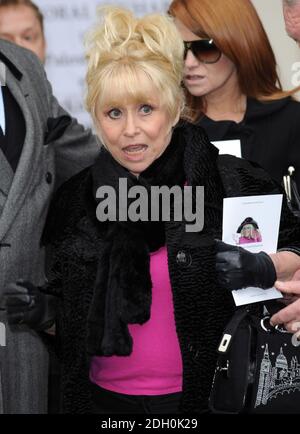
(248, 232)
(252, 222)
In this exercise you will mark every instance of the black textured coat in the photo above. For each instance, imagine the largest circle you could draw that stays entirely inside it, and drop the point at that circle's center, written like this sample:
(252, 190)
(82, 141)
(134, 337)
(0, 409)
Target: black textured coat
(202, 308)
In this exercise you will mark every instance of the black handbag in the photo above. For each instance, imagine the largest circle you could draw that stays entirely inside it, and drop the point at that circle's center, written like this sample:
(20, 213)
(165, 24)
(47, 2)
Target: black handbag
(291, 191)
(258, 368)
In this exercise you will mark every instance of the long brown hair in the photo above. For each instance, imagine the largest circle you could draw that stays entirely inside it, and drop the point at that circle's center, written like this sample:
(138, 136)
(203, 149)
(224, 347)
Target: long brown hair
(237, 30)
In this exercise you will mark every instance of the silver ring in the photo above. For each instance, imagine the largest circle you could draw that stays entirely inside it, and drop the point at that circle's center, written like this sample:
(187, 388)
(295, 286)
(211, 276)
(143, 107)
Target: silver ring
(262, 324)
(281, 328)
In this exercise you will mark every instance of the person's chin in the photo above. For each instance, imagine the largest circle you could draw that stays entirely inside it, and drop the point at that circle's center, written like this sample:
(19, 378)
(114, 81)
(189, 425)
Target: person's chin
(196, 89)
(137, 168)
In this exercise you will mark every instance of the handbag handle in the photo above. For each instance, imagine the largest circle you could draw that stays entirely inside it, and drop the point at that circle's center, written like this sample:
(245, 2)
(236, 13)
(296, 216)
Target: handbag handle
(231, 328)
(287, 182)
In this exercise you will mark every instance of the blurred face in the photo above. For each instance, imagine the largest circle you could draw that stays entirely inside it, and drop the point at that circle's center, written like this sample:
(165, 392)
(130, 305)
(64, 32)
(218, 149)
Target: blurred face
(247, 231)
(19, 24)
(135, 133)
(203, 79)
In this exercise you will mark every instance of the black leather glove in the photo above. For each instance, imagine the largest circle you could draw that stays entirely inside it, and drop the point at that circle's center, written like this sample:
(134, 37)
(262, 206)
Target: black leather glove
(25, 304)
(237, 268)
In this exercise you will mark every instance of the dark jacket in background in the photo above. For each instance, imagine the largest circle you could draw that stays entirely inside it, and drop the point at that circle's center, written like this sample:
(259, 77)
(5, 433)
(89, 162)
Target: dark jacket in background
(269, 134)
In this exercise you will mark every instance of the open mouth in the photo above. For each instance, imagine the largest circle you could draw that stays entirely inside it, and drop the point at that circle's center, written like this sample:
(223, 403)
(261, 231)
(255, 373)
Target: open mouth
(135, 149)
(193, 77)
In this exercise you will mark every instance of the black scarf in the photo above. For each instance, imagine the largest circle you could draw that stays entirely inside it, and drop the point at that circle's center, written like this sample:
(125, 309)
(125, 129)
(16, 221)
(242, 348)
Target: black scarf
(122, 293)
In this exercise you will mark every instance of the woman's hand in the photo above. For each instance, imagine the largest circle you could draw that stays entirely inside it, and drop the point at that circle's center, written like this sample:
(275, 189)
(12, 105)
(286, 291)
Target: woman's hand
(237, 268)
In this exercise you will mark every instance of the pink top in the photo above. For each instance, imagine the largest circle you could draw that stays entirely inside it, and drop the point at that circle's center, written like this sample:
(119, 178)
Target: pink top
(155, 366)
(245, 240)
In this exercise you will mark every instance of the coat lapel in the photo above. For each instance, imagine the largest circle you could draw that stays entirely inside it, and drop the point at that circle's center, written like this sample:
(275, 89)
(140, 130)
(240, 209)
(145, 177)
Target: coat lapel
(6, 179)
(25, 171)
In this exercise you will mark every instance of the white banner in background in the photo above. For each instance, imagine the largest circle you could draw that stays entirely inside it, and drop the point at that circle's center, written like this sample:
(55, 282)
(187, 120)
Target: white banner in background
(66, 22)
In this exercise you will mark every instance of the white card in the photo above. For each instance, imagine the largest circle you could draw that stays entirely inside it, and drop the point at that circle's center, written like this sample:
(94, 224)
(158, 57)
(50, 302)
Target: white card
(231, 147)
(254, 295)
(252, 222)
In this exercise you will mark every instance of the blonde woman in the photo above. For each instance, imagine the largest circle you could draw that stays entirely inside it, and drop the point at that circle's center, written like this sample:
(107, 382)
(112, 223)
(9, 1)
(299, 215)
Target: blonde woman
(140, 308)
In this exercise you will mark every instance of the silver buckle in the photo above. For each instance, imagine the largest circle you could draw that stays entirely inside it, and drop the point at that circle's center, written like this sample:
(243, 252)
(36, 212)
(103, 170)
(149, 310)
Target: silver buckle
(224, 343)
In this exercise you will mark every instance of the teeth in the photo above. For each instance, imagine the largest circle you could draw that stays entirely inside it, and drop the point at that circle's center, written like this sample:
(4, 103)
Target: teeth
(134, 148)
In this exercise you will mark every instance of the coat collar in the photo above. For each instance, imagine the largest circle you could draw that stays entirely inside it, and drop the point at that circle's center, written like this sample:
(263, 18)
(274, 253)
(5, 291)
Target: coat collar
(23, 177)
(7, 176)
(13, 69)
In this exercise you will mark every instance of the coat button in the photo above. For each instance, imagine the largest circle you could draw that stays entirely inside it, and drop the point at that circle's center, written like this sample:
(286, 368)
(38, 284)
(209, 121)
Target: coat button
(48, 177)
(183, 258)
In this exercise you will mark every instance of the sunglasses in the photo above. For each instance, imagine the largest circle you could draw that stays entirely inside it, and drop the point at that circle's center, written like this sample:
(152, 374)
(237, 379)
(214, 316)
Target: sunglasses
(204, 50)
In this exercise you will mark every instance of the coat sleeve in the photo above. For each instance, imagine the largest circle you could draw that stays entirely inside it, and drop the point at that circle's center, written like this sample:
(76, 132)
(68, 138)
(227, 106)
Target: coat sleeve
(77, 147)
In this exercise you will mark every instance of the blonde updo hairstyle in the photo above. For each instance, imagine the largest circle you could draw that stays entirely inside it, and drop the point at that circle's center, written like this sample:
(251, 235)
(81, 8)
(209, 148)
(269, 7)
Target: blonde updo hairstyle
(122, 49)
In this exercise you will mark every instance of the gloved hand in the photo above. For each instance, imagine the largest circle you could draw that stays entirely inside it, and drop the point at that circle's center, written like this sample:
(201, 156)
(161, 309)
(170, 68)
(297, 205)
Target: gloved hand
(237, 268)
(25, 304)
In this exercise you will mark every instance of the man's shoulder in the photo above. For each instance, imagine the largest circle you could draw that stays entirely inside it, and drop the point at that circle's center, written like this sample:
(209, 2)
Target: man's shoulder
(20, 57)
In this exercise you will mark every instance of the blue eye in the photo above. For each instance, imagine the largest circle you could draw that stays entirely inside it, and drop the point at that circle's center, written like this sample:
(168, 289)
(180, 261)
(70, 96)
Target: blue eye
(146, 109)
(114, 113)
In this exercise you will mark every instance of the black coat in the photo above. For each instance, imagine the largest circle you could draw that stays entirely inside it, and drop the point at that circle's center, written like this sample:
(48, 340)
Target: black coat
(202, 308)
(269, 134)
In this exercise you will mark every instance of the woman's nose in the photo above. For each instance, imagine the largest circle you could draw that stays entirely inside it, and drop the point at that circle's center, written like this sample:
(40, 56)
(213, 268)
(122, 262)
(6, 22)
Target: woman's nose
(190, 60)
(131, 126)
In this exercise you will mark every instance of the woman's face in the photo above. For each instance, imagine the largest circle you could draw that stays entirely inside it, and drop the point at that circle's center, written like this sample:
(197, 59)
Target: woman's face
(203, 79)
(248, 231)
(135, 133)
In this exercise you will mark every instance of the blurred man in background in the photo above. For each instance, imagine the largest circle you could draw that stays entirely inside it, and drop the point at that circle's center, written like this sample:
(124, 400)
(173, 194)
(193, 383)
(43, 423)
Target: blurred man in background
(21, 22)
(41, 146)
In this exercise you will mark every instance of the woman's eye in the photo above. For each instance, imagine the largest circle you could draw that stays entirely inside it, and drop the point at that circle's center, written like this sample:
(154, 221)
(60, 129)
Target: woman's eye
(114, 113)
(146, 109)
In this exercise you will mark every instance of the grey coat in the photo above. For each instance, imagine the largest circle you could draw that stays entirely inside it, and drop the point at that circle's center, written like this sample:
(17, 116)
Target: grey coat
(24, 200)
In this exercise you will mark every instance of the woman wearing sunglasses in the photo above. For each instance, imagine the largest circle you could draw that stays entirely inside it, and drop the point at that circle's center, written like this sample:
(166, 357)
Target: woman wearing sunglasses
(232, 85)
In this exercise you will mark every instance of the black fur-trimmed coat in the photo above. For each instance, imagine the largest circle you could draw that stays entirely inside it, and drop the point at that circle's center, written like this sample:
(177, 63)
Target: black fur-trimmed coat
(201, 307)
